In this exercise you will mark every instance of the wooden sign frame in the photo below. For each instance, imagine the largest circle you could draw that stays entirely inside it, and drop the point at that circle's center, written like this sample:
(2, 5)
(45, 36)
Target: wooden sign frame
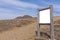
(51, 22)
(50, 16)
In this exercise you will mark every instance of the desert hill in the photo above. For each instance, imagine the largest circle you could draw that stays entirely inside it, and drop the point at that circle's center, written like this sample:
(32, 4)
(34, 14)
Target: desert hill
(25, 16)
(23, 28)
(17, 22)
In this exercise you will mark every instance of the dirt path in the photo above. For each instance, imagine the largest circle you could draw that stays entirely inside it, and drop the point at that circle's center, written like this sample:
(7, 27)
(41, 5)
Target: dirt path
(22, 33)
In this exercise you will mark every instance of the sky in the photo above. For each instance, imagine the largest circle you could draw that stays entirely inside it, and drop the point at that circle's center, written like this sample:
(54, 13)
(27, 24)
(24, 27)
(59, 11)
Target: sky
(10, 9)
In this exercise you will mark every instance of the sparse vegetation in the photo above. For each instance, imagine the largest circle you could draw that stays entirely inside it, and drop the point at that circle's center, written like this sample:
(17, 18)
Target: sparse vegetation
(18, 22)
(25, 27)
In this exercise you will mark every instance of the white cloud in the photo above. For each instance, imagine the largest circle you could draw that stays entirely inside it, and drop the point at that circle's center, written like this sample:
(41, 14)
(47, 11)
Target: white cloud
(20, 3)
(56, 6)
(7, 13)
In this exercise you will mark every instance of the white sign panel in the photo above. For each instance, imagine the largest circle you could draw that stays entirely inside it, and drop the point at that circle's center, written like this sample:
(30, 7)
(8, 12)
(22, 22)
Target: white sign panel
(44, 16)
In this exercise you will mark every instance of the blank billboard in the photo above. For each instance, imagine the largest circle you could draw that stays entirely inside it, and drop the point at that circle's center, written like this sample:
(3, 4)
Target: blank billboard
(44, 16)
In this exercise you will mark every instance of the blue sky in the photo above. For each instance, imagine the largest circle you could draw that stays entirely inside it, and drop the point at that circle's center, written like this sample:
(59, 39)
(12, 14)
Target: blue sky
(10, 9)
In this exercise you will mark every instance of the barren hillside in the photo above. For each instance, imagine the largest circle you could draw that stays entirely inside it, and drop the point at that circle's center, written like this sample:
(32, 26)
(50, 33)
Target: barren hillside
(24, 28)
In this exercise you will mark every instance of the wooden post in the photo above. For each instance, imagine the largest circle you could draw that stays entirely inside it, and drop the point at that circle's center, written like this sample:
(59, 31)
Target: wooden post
(52, 24)
(38, 27)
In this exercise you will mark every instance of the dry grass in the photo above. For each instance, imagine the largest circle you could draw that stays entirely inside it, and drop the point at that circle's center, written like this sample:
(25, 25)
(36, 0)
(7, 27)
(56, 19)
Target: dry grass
(22, 33)
(10, 24)
(24, 29)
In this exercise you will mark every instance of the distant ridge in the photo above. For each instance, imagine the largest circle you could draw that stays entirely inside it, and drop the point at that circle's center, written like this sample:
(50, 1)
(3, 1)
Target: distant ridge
(25, 16)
